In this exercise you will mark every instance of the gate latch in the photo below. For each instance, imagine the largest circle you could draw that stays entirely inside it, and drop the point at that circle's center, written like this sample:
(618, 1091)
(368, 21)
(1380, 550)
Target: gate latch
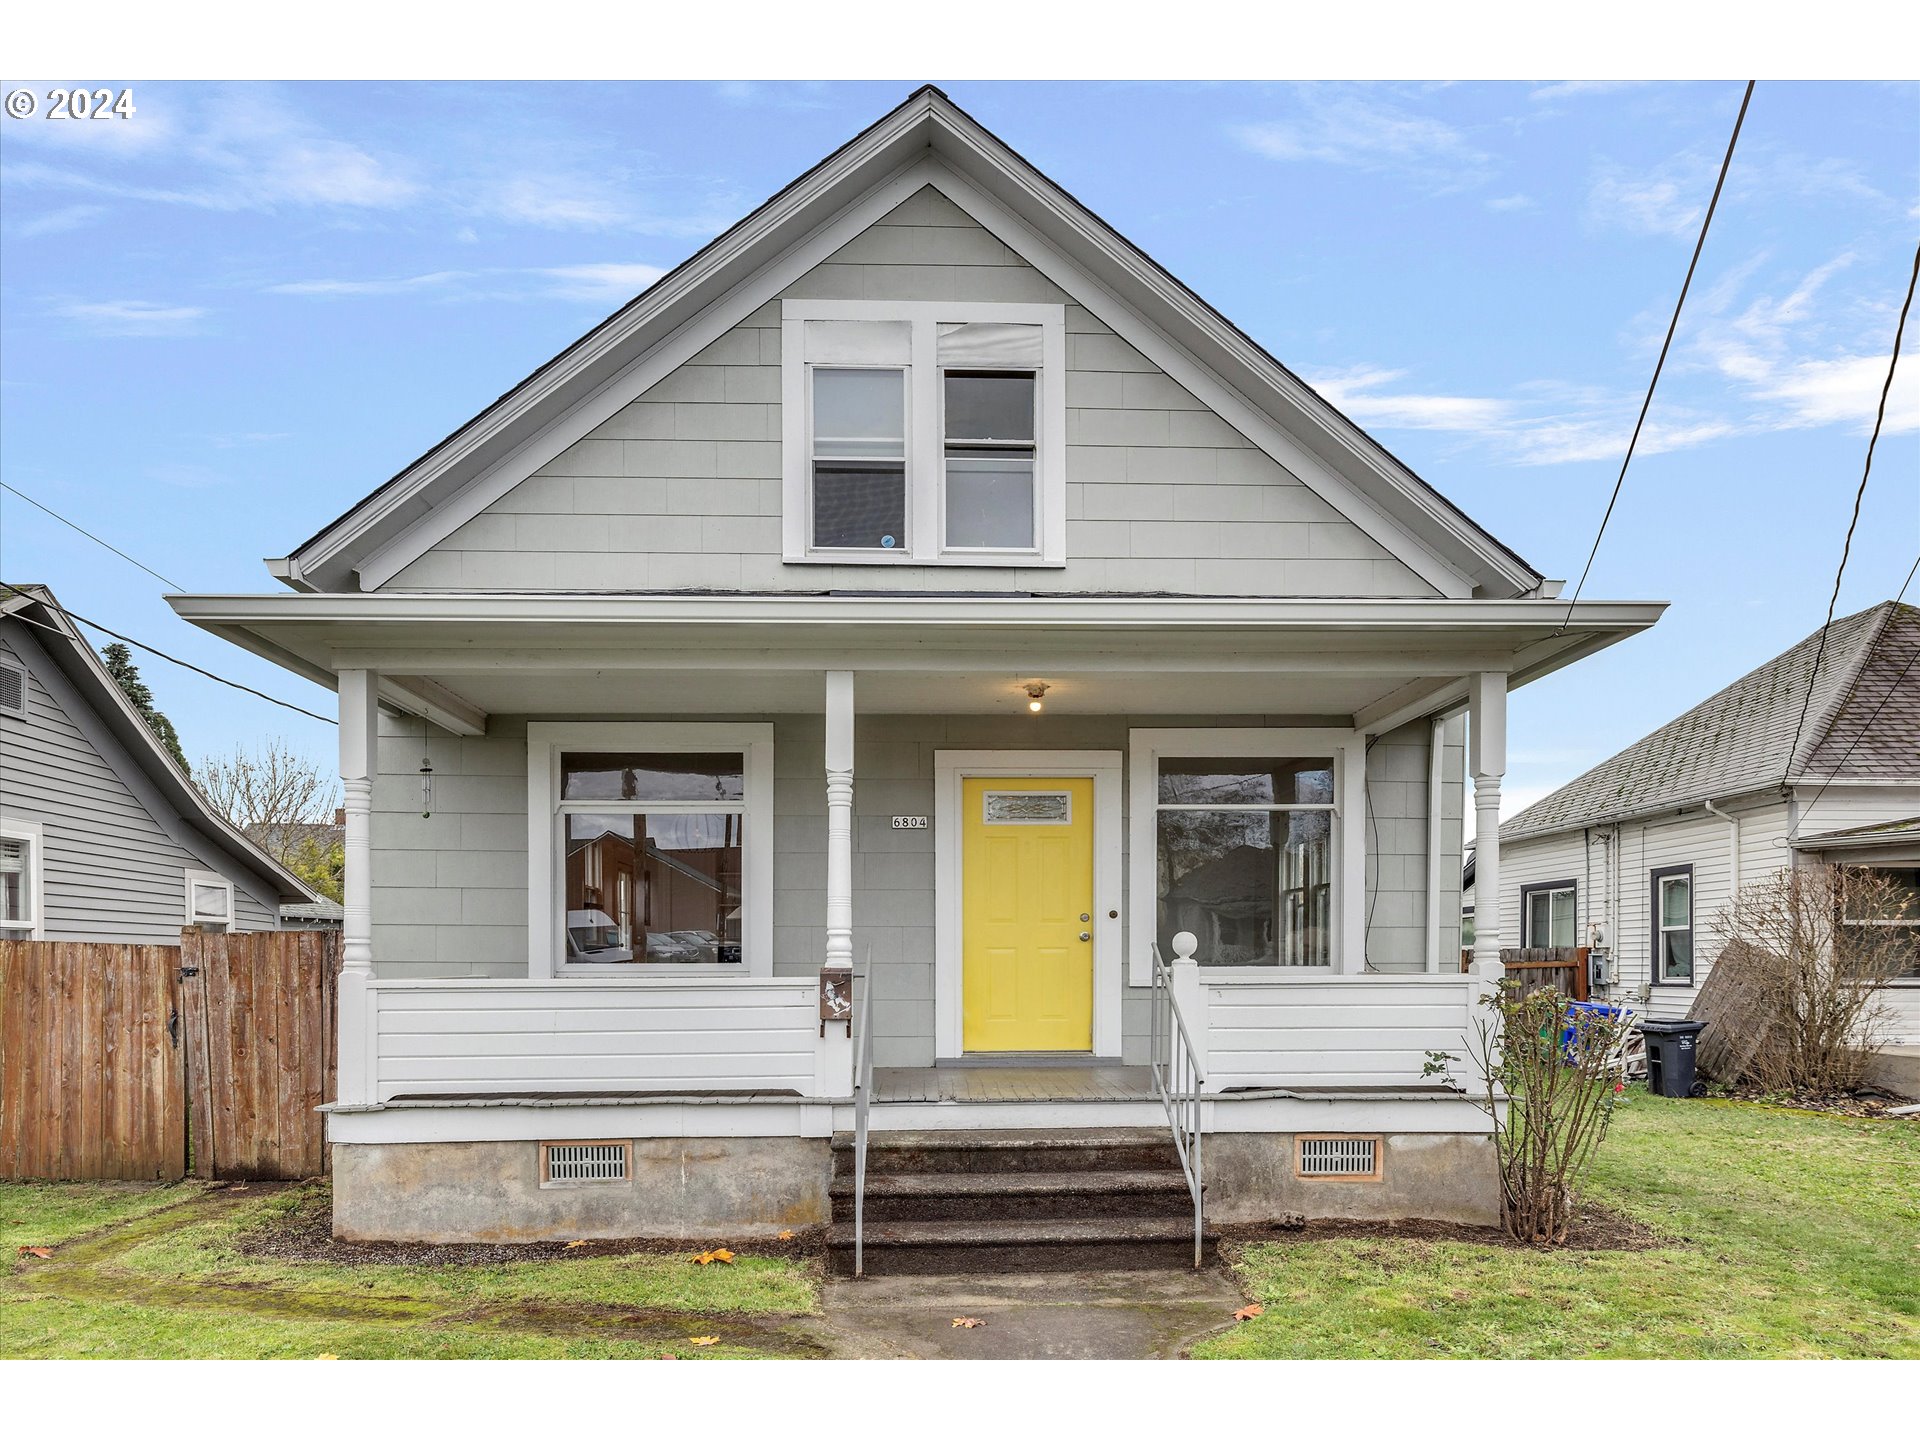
(173, 1027)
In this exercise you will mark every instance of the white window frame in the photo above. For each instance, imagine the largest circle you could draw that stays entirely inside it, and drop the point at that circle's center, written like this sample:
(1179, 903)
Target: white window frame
(1349, 751)
(17, 712)
(32, 924)
(213, 881)
(925, 542)
(546, 857)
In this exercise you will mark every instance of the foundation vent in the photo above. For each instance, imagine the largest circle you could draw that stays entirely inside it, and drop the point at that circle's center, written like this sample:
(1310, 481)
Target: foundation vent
(585, 1164)
(1338, 1157)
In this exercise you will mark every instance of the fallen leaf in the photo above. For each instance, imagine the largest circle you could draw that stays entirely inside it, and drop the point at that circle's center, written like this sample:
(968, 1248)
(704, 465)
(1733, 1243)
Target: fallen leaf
(575, 1244)
(786, 1234)
(39, 1252)
(326, 1357)
(669, 1357)
(704, 1340)
(967, 1322)
(707, 1257)
(1247, 1312)
(1459, 1295)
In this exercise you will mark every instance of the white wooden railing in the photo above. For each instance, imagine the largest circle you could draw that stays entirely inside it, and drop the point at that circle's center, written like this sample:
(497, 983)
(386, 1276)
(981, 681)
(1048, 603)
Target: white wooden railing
(441, 1037)
(1179, 1077)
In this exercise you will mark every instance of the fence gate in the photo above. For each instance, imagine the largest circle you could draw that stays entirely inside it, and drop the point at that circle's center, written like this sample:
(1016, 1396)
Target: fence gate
(260, 1040)
(92, 1080)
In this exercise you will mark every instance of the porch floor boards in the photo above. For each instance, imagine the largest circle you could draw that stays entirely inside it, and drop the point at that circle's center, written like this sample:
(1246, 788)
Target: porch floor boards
(1002, 1083)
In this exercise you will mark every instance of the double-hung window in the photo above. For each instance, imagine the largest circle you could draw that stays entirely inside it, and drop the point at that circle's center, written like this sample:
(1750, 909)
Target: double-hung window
(1672, 925)
(1246, 850)
(921, 432)
(650, 849)
(1896, 921)
(19, 881)
(1548, 914)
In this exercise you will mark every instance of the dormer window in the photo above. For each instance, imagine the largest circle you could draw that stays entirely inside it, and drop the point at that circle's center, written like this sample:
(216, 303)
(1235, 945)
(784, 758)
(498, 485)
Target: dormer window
(924, 433)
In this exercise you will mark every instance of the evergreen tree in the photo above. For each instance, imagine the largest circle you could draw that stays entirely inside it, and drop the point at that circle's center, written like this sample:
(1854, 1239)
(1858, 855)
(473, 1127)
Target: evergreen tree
(119, 662)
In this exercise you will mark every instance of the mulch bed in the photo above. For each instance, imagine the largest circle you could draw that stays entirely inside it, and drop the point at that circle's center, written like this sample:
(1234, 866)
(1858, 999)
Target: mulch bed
(306, 1233)
(1859, 1104)
(1596, 1228)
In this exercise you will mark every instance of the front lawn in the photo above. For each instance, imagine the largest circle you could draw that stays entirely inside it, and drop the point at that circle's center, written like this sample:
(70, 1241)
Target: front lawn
(166, 1279)
(1784, 1233)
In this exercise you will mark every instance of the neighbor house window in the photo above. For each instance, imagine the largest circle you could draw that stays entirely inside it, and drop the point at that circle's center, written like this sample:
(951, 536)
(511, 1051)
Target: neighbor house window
(1547, 914)
(1238, 839)
(654, 858)
(924, 432)
(1902, 915)
(1673, 925)
(209, 900)
(19, 884)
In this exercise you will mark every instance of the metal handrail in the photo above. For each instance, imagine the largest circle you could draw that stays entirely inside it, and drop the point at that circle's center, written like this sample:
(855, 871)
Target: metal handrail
(862, 1094)
(1177, 1080)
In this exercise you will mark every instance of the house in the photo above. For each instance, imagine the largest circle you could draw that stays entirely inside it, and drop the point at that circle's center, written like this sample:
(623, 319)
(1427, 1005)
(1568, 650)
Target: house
(102, 835)
(922, 584)
(1640, 855)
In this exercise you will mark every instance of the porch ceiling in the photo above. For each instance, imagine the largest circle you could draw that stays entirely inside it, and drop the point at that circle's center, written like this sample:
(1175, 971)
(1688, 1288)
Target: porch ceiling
(458, 658)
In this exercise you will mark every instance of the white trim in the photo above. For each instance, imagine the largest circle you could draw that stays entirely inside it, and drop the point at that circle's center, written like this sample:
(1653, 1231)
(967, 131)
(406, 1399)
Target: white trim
(950, 767)
(926, 491)
(33, 924)
(1349, 751)
(212, 881)
(545, 881)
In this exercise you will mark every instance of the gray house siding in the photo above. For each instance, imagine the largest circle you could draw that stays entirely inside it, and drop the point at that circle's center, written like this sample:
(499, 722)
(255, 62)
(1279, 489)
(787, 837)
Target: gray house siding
(449, 891)
(116, 856)
(682, 489)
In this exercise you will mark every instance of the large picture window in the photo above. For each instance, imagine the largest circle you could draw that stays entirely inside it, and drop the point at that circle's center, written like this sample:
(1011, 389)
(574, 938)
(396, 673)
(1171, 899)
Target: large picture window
(655, 856)
(1245, 848)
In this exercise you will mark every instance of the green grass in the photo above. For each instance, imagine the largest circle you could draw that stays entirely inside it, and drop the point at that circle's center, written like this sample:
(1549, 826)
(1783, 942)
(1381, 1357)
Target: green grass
(46, 1212)
(178, 1285)
(1792, 1234)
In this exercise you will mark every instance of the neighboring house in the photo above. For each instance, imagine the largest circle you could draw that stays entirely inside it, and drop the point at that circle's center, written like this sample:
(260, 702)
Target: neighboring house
(1639, 855)
(917, 580)
(102, 835)
(321, 914)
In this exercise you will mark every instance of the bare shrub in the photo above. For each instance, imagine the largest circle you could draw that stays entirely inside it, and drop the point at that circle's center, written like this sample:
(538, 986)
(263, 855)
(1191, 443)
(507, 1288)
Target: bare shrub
(1810, 952)
(1549, 1074)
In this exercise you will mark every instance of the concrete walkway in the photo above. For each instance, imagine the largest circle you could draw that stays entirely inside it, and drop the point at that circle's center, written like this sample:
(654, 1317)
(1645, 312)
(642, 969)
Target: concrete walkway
(1072, 1315)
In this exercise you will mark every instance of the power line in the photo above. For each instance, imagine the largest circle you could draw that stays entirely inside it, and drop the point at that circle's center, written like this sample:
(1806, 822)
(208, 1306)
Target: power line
(171, 659)
(1859, 495)
(1672, 325)
(172, 584)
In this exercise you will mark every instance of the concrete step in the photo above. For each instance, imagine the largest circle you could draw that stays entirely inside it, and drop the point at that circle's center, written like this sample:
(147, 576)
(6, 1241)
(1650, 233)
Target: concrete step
(980, 1152)
(1018, 1195)
(965, 1247)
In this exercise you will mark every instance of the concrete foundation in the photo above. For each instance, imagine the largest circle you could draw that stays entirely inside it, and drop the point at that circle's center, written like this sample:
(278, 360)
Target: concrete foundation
(1251, 1180)
(491, 1191)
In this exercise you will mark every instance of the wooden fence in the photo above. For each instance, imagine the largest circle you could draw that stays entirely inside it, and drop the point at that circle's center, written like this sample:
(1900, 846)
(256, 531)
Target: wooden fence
(136, 1062)
(1563, 968)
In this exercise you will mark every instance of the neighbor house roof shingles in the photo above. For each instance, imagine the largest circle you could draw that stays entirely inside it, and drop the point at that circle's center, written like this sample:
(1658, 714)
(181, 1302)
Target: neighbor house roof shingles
(1862, 723)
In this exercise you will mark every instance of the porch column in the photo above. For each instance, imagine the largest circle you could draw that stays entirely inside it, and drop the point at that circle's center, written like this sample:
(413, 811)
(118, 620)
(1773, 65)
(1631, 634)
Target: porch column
(359, 759)
(840, 819)
(1487, 759)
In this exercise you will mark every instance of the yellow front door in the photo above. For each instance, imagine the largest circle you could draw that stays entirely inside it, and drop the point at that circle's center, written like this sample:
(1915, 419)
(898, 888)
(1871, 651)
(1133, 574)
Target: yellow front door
(1026, 912)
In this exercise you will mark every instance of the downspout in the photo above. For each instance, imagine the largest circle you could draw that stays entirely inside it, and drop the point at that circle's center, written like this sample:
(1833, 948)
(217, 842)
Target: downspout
(1733, 883)
(1435, 875)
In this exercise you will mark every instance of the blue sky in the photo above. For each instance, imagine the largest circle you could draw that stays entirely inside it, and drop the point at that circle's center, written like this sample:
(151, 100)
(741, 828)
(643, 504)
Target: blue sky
(226, 319)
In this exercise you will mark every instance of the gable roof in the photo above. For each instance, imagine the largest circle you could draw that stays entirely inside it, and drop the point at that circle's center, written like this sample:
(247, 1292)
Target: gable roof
(927, 139)
(35, 607)
(1862, 723)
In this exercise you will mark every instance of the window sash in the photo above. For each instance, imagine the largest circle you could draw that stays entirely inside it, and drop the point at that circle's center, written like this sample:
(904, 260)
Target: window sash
(16, 883)
(1672, 939)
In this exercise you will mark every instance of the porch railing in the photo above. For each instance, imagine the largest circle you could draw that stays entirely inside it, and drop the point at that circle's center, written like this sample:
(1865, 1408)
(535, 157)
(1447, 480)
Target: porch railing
(862, 1096)
(1177, 1078)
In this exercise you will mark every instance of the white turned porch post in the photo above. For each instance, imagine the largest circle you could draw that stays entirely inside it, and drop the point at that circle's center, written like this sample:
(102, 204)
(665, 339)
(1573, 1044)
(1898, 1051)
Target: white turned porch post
(1487, 759)
(359, 752)
(840, 819)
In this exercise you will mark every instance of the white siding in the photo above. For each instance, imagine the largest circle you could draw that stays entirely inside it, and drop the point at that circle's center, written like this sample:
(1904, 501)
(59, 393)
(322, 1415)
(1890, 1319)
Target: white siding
(738, 1034)
(682, 489)
(1349, 1030)
(114, 863)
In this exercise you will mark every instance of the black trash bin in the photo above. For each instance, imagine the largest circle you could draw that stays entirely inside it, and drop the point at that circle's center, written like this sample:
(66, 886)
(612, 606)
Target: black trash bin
(1670, 1057)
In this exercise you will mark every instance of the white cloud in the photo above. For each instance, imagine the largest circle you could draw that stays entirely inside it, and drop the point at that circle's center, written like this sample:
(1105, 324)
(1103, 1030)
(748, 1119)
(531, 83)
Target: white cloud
(1846, 391)
(1571, 89)
(1512, 202)
(1668, 201)
(133, 317)
(1356, 393)
(1368, 134)
(398, 285)
(609, 282)
(55, 222)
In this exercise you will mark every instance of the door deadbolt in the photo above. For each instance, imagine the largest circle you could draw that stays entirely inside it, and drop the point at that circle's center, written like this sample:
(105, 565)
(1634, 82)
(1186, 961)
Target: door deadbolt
(1085, 936)
(1085, 918)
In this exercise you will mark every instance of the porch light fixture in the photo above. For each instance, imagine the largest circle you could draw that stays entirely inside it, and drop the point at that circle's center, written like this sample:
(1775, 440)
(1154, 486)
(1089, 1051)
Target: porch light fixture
(1034, 692)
